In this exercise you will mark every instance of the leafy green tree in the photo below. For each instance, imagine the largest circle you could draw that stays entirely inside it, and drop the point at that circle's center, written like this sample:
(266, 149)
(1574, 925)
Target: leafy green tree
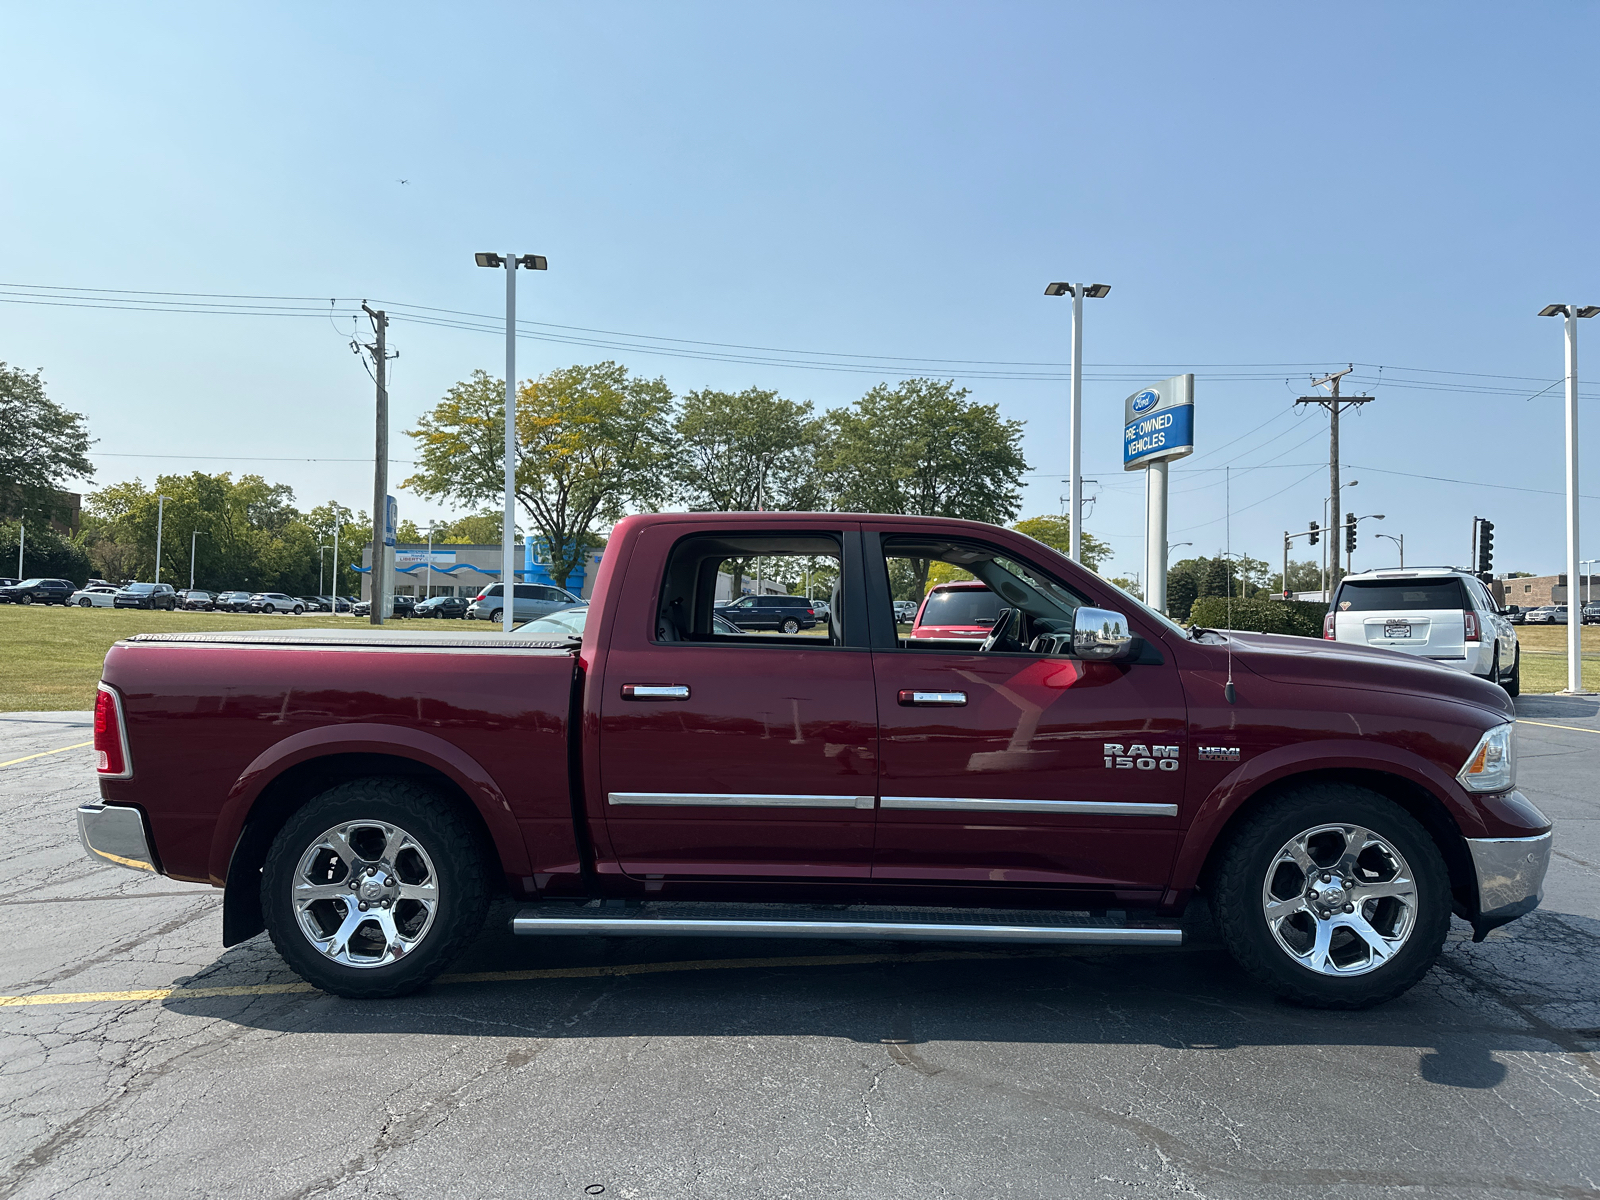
(741, 450)
(591, 442)
(922, 448)
(1056, 532)
(42, 447)
(45, 553)
(1305, 576)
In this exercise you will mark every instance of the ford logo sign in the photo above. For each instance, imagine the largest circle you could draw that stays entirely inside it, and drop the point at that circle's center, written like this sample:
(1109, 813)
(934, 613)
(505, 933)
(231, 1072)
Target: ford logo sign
(1146, 400)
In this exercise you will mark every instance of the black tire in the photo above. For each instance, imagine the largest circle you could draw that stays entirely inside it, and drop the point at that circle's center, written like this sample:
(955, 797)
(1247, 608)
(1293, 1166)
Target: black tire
(790, 625)
(1513, 685)
(1237, 896)
(298, 610)
(496, 615)
(86, 603)
(26, 599)
(458, 864)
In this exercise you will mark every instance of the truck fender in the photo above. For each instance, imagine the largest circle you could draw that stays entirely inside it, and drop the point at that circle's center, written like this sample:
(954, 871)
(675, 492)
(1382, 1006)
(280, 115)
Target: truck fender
(1343, 755)
(394, 740)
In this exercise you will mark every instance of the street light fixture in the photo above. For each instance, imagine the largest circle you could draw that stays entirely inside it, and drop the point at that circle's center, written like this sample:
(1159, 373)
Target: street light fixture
(1572, 313)
(1075, 416)
(1399, 539)
(508, 560)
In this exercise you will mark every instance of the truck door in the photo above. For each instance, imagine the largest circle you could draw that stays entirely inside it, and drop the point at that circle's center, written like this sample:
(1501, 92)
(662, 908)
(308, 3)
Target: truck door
(736, 753)
(1013, 767)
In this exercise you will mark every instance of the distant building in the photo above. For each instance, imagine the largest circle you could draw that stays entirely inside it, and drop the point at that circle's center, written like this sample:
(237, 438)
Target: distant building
(1533, 591)
(463, 570)
(72, 507)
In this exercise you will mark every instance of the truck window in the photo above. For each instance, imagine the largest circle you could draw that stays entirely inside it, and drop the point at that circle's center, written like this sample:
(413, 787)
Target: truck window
(708, 574)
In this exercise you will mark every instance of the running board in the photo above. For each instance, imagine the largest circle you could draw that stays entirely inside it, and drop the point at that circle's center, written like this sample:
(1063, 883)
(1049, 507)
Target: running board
(696, 919)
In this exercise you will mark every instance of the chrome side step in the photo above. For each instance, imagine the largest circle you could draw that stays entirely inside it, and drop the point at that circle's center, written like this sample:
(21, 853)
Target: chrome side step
(857, 922)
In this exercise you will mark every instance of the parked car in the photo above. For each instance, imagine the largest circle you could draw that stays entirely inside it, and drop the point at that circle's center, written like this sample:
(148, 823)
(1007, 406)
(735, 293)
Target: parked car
(404, 606)
(1591, 614)
(335, 604)
(905, 611)
(39, 591)
(445, 607)
(102, 596)
(1086, 758)
(232, 602)
(361, 608)
(313, 604)
(569, 623)
(1514, 613)
(1548, 614)
(197, 600)
(7, 581)
(963, 610)
(99, 583)
(787, 614)
(532, 600)
(147, 595)
(1443, 615)
(276, 602)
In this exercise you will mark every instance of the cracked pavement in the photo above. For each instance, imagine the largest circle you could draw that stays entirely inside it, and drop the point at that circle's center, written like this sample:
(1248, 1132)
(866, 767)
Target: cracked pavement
(1094, 1073)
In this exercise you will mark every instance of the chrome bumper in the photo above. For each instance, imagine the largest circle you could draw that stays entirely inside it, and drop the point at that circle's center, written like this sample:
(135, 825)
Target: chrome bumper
(117, 834)
(1510, 878)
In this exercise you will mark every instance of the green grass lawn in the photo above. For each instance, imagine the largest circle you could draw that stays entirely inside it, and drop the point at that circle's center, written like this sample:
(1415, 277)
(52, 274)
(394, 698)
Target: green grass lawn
(1544, 657)
(50, 657)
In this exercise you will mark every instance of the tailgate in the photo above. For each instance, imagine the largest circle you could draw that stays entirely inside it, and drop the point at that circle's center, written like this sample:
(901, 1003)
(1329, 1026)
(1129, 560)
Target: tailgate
(1435, 633)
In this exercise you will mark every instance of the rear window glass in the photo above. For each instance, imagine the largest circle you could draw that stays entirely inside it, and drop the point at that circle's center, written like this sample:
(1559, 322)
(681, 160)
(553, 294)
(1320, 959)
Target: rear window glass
(1401, 595)
(965, 606)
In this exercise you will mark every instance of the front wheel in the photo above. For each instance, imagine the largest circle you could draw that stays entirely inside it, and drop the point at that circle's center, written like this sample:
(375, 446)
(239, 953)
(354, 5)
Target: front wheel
(1333, 897)
(373, 888)
(298, 610)
(791, 626)
(27, 599)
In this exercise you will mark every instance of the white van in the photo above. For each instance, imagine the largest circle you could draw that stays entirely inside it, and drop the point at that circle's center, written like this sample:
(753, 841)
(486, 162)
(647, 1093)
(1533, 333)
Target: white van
(1437, 613)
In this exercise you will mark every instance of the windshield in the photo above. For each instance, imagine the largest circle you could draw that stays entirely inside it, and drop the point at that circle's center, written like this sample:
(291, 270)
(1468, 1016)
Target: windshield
(30, 583)
(1401, 595)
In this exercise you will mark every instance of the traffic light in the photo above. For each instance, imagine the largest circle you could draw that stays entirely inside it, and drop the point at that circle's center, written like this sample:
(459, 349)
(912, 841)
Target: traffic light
(1350, 534)
(1315, 535)
(1486, 548)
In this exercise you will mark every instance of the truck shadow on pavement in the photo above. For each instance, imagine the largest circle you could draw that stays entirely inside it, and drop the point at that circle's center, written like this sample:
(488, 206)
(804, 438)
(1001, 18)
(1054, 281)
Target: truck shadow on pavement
(1530, 988)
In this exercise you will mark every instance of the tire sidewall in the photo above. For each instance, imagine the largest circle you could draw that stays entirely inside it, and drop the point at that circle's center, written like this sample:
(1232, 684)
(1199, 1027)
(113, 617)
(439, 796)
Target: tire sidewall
(456, 860)
(791, 626)
(1243, 873)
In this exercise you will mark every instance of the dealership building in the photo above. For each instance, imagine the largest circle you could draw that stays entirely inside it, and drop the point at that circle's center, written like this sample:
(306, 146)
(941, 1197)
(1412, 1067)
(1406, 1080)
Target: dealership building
(463, 570)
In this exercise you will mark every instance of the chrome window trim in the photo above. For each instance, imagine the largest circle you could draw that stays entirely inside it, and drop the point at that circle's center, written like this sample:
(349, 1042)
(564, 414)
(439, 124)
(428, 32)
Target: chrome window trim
(1088, 808)
(735, 800)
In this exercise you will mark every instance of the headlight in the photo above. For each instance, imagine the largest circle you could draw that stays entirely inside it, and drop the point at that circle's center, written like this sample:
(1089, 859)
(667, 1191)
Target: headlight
(1492, 765)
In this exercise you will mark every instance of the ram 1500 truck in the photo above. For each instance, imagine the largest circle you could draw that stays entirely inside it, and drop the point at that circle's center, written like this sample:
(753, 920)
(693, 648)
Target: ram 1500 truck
(1080, 775)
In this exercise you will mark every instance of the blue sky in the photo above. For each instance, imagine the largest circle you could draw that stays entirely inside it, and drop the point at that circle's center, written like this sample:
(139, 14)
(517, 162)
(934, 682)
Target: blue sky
(1269, 189)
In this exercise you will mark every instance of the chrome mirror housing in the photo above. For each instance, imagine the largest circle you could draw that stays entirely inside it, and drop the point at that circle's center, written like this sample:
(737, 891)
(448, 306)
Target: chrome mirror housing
(1100, 635)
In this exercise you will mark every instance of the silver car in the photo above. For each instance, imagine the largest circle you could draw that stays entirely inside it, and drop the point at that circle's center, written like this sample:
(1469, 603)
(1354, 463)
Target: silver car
(1438, 613)
(533, 600)
(94, 597)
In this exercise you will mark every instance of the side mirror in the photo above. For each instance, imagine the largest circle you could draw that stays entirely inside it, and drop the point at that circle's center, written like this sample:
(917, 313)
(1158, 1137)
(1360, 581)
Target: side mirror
(1100, 635)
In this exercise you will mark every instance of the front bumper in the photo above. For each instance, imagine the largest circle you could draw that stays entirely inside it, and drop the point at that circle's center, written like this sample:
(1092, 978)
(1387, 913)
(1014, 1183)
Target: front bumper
(1510, 878)
(116, 833)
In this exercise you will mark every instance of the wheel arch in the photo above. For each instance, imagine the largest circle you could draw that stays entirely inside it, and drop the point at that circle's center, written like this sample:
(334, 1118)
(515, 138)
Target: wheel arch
(263, 809)
(1422, 804)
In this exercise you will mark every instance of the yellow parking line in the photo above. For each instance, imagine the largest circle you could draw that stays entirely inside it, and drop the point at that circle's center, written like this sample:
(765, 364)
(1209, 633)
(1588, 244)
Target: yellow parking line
(1520, 721)
(655, 968)
(44, 754)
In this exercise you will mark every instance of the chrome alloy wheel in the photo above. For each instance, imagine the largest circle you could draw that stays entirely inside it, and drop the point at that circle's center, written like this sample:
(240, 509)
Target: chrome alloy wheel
(1339, 900)
(365, 893)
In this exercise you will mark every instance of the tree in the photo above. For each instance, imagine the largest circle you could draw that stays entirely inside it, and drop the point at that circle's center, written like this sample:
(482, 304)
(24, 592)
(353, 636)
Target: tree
(42, 446)
(591, 441)
(45, 553)
(738, 451)
(1056, 532)
(1304, 576)
(922, 448)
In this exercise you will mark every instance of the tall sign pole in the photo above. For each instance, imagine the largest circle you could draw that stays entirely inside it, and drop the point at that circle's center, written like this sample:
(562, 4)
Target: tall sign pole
(1158, 426)
(1572, 312)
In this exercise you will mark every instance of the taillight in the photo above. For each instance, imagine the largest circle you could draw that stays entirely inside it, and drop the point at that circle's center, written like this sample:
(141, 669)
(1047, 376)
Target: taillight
(1327, 627)
(1471, 623)
(110, 741)
(811, 612)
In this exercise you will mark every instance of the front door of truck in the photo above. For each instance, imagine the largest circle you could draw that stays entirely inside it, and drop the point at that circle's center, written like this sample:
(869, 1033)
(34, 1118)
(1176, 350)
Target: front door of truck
(737, 753)
(1016, 768)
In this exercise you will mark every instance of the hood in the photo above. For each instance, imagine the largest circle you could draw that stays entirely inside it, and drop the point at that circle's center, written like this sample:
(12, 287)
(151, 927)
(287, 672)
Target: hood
(1288, 659)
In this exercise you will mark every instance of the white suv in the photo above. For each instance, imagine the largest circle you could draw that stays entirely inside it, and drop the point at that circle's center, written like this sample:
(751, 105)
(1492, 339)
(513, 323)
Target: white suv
(1437, 613)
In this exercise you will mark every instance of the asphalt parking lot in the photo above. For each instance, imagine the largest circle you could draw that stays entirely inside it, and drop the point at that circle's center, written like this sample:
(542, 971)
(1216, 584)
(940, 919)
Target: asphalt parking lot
(137, 1057)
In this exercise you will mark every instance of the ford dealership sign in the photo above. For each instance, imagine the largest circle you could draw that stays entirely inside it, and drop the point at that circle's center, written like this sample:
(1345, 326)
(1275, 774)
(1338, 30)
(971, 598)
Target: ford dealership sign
(1158, 424)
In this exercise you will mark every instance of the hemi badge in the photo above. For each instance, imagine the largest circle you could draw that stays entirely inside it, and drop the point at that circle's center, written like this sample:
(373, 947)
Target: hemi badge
(1219, 753)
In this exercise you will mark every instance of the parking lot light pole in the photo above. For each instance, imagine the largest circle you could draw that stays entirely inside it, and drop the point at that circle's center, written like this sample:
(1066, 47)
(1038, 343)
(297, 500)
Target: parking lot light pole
(22, 537)
(161, 504)
(192, 538)
(1075, 406)
(508, 555)
(1399, 539)
(1572, 313)
(321, 550)
(1587, 579)
(336, 561)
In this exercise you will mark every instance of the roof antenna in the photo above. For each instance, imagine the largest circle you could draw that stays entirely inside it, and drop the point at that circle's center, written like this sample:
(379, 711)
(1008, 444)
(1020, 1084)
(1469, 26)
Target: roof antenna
(1227, 574)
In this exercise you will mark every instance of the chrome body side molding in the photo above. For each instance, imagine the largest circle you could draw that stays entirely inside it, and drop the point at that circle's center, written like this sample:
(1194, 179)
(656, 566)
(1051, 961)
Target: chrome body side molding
(1089, 808)
(736, 800)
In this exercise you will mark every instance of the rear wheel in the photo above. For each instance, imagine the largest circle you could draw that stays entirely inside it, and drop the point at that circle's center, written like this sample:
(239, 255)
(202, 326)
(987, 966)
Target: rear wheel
(1333, 897)
(298, 610)
(373, 888)
(86, 603)
(495, 616)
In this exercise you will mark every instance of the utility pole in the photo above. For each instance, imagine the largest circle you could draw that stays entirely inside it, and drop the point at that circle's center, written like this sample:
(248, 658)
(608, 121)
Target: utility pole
(380, 467)
(1335, 404)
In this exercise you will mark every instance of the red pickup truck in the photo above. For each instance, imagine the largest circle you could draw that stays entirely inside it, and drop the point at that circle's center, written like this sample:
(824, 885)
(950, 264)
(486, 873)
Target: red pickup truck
(1081, 775)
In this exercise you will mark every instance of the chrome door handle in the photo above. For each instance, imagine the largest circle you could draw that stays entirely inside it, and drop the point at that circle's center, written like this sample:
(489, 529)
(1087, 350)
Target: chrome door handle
(655, 691)
(910, 697)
